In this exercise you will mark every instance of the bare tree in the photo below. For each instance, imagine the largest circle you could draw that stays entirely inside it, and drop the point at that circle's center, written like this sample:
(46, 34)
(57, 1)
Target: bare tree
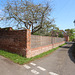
(25, 14)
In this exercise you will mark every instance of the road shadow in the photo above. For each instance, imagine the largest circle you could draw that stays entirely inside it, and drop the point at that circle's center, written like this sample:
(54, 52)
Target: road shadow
(70, 52)
(66, 45)
(70, 42)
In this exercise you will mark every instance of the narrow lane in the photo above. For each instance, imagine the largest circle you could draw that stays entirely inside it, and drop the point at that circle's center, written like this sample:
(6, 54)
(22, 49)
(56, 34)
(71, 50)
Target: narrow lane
(56, 63)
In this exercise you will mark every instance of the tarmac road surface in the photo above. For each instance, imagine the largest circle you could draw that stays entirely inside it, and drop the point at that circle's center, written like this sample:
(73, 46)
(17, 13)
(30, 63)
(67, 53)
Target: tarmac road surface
(57, 63)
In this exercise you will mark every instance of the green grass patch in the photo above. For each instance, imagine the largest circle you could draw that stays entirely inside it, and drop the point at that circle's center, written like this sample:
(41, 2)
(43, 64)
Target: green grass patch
(22, 60)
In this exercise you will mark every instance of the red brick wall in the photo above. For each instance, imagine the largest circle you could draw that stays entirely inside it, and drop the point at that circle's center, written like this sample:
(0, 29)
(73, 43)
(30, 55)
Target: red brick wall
(35, 51)
(23, 43)
(14, 41)
(40, 44)
(37, 41)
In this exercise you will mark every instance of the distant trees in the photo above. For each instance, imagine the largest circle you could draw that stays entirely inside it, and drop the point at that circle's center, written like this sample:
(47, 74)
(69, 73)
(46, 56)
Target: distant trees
(70, 33)
(60, 34)
(26, 15)
(48, 29)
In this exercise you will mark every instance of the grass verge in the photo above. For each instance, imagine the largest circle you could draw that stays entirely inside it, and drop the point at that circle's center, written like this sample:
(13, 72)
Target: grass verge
(22, 60)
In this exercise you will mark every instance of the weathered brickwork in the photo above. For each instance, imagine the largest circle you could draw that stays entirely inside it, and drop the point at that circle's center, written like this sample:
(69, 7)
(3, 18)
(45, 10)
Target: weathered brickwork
(37, 41)
(14, 41)
(25, 44)
(40, 44)
(36, 51)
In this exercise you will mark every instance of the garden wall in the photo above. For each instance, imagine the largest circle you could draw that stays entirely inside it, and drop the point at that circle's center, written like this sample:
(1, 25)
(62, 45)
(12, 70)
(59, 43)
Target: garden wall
(40, 44)
(25, 44)
(14, 41)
